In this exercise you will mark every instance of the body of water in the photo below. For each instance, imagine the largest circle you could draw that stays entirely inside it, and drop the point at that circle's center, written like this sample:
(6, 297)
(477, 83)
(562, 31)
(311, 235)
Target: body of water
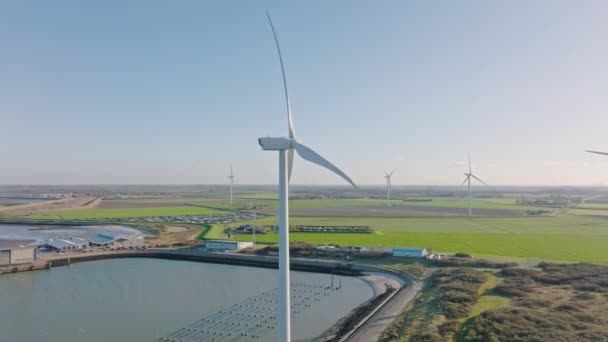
(4, 202)
(143, 299)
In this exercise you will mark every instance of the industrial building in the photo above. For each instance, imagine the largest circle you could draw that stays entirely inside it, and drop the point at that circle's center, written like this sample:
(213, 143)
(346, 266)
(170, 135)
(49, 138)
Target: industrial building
(117, 239)
(410, 252)
(65, 245)
(227, 245)
(114, 239)
(17, 256)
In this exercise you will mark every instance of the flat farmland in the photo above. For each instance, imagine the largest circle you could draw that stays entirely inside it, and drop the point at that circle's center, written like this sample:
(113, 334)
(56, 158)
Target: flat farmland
(400, 210)
(479, 203)
(596, 206)
(566, 238)
(129, 204)
(79, 214)
(590, 212)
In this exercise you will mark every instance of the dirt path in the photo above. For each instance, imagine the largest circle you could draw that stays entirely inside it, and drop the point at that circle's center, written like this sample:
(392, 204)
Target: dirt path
(372, 330)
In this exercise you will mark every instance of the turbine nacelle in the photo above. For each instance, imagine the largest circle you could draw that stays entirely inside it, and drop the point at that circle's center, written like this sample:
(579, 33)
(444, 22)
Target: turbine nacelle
(277, 144)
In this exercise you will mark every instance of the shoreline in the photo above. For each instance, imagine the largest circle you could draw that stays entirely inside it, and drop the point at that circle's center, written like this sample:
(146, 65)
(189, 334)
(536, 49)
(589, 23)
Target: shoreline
(297, 264)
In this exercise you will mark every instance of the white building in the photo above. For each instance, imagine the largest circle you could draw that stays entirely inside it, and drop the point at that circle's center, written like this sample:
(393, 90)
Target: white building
(5, 257)
(17, 256)
(67, 245)
(23, 255)
(228, 245)
(409, 252)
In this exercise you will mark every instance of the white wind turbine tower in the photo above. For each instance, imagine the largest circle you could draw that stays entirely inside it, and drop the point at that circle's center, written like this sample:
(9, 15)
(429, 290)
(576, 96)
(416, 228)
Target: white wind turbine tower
(467, 179)
(388, 186)
(285, 146)
(231, 178)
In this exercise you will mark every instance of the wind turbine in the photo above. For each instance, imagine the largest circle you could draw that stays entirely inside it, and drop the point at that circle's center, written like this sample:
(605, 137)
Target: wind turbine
(286, 146)
(388, 187)
(467, 179)
(597, 152)
(231, 178)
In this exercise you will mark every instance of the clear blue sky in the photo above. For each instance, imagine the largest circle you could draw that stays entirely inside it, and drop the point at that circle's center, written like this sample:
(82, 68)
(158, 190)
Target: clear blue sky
(174, 92)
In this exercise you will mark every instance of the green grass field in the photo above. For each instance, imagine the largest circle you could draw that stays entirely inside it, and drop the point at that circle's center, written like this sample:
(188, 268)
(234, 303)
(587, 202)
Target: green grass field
(215, 232)
(488, 300)
(78, 214)
(567, 238)
(572, 237)
(479, 203)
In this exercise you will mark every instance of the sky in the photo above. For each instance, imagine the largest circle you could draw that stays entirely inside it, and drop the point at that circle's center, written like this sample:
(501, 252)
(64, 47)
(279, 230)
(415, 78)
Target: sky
(159, 92)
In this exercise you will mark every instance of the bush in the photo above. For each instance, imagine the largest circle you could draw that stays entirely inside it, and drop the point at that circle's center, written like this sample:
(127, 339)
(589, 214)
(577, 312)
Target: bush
(448, 328)
(428, 336)
(515, 287)
(584, 296)
(463, 255)
(518, 325)
(567, 307)
(465, 262)
(459, 297)
(454, 310)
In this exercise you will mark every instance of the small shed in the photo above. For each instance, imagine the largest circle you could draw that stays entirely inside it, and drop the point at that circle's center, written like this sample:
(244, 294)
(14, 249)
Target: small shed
(17, 256)
(228, 245)
(23, 255)
(409, 252)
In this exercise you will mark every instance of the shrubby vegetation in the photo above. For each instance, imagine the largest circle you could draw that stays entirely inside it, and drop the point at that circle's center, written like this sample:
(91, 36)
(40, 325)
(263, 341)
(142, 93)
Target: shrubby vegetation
(554, 302)
(470, 262)
(558, 302)
(436, 313)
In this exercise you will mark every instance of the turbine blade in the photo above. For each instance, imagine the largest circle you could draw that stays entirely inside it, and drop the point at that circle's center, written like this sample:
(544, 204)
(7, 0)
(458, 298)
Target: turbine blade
(308, 154)
(482, 182)
(390, 174)
(289, 164)
(292, 132)
(597, 152)
(464, 181)
(469, 155)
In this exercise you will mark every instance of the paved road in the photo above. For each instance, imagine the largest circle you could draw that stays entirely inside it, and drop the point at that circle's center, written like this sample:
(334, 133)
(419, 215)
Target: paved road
(375, 326)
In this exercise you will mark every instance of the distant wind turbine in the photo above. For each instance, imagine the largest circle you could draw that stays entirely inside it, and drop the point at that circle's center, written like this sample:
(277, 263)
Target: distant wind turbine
(467, 179)
(231, 178)
(388, 186)
(285, 146)
(597, 152)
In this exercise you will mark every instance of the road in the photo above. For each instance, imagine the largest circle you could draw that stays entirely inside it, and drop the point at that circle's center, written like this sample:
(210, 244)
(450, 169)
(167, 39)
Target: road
(373, 329)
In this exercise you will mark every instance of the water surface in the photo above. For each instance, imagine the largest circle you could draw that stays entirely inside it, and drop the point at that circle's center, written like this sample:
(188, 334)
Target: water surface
(140, 299)
(5, 202)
